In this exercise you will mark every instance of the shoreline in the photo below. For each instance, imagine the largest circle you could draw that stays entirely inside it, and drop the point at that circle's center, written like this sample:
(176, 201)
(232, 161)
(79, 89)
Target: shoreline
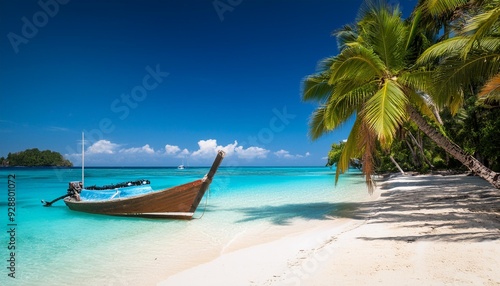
(426, 229)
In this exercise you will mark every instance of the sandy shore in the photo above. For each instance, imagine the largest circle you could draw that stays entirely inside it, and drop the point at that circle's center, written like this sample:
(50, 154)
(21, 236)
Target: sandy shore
(423, 230)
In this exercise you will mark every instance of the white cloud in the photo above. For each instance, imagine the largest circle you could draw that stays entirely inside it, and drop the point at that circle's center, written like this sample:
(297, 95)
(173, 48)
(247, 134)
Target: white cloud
(175, 151)
(286, 154)
(56, 128)
(251, 152)
(144, 149)
(208, 148)
(172, 150)
(102, 147)
(106, 152)
(283, 154)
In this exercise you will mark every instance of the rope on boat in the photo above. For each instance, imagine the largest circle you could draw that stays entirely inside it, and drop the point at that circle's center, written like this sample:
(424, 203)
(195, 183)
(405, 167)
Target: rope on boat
(205, 207)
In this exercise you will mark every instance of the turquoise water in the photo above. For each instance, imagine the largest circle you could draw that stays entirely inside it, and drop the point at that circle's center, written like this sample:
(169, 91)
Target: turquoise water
(57, 246)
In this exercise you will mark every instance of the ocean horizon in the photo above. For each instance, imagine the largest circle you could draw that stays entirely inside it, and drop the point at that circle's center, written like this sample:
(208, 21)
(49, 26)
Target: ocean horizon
(57, 246)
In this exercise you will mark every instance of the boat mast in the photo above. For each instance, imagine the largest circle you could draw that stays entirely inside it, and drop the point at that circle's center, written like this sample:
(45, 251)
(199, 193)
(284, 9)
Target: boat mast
(83, 160)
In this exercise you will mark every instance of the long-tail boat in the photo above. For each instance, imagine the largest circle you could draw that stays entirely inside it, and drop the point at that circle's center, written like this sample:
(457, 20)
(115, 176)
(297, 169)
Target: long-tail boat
(139, 199)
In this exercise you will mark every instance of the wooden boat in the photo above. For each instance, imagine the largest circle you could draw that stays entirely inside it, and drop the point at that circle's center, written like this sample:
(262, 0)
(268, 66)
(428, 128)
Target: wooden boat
(176, 202)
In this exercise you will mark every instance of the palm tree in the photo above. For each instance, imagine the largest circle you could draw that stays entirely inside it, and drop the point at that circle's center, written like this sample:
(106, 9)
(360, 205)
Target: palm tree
(374, 79)
(469, 58)
(469, 62)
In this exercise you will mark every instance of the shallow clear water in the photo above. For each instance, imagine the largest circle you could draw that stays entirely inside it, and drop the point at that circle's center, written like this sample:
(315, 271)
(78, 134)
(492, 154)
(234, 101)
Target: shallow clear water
(57, 246)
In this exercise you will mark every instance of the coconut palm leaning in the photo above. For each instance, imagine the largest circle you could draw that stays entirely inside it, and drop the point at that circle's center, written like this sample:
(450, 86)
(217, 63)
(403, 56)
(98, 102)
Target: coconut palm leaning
(374, 80)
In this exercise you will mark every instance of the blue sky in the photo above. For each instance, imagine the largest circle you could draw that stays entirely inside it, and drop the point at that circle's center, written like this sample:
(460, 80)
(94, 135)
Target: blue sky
(158, 83)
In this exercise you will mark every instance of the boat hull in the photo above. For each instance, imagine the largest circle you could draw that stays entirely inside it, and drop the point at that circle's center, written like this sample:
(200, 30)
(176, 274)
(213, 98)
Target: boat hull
(177, 202)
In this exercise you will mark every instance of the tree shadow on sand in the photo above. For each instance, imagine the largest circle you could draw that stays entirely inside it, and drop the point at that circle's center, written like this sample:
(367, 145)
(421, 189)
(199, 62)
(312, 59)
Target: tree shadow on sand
(447, 208)
(284, 214)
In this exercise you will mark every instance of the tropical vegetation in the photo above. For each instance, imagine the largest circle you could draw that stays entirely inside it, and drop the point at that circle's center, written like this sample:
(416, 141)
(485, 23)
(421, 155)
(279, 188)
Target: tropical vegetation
(35, 158)
(396, 78)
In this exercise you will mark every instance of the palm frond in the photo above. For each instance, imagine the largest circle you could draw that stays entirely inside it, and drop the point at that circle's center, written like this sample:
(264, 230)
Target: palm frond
(385, 111)
(440, 7)
(340, 107)
(352, 92)
(414, 28)
(420, 90)
(457, 75)
(385, 32)
(489, 96)
(356, 63)
(481, 26)
(325, 64)
(367, 143)
(419, 80)
(360, 143)
(489, 45)
(345, 35)
(316, 88)
(446, 48)
(424, 105)
(336, 114)
(317, 123)
(326, 118)
(349, 150)
(455, 47)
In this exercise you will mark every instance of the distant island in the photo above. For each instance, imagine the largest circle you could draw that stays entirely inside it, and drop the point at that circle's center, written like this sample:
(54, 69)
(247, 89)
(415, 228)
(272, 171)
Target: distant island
(35, 158)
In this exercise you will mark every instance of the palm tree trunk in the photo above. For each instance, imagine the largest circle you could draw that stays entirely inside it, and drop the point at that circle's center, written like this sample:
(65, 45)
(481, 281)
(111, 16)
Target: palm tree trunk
(397, 165)
(454, 150)
(419, 145)
(415, 159)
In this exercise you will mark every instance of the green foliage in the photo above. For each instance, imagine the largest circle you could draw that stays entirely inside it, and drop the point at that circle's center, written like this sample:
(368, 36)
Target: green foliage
(476, 129)
(34, 157)
(335, 154)
(413, 152)
(438, 162)
(394, 75)
(468, 59)
(370, 79)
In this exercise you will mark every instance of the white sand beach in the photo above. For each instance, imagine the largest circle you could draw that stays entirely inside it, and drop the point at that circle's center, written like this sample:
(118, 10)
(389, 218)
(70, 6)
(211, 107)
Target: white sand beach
(422, 230)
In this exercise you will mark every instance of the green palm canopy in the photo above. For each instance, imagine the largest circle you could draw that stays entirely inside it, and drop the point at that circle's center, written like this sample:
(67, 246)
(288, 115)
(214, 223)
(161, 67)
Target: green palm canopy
(374, 79)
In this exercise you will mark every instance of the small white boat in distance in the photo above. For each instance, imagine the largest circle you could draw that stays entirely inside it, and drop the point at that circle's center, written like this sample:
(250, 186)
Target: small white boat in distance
(180, 167)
